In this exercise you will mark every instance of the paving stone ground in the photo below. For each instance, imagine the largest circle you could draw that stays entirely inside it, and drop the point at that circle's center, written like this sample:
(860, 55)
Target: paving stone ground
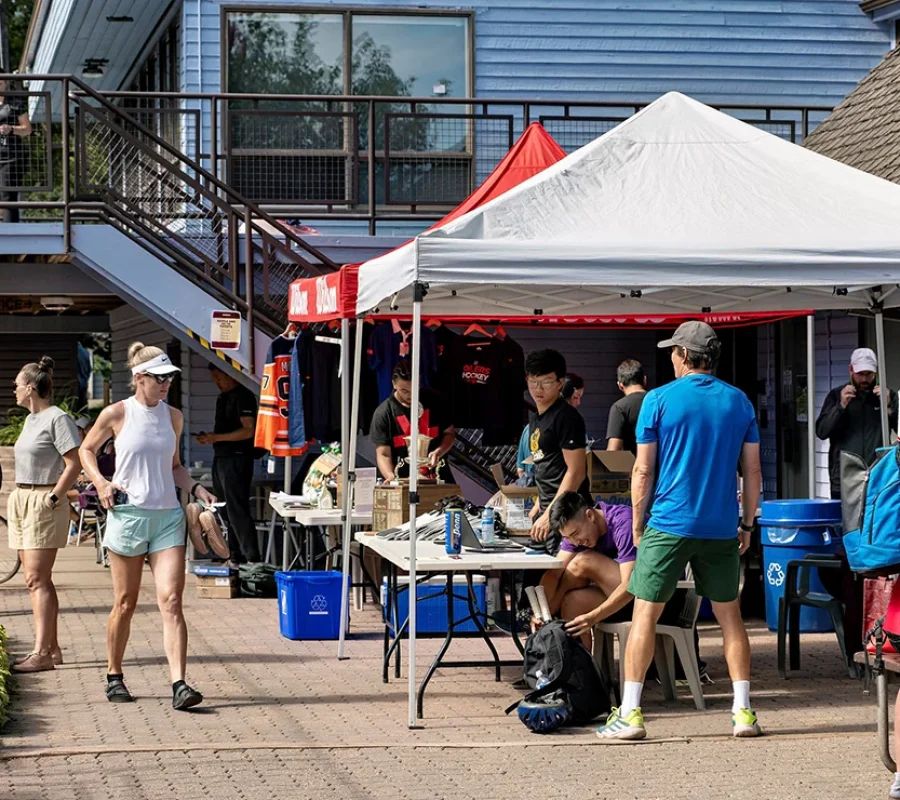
(286, 719)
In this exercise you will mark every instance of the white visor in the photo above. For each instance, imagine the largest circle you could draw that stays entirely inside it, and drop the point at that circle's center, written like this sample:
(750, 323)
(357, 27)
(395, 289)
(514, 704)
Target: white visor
(160, 365)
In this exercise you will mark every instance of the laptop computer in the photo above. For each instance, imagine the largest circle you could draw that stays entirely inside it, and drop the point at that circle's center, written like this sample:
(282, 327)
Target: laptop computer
(471, 543)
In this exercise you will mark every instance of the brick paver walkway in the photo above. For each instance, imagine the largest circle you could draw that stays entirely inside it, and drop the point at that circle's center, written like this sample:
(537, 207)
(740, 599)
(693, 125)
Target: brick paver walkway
(285, 719)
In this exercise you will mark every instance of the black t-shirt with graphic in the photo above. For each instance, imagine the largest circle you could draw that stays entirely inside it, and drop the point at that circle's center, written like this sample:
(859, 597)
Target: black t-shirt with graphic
(559, 428)
(230, 407)
(623, 419)
(391, 425)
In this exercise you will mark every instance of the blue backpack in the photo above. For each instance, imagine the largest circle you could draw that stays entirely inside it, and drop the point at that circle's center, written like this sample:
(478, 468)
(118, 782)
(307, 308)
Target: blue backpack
(871, 512)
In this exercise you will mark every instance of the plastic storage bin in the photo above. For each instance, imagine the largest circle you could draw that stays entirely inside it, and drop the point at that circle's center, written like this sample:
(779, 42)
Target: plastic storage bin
(791, 530)
(309, 604)
(431, 614)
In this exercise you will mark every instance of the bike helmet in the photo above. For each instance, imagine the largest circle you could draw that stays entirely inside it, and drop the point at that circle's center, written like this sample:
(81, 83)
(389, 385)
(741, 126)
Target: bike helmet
(545, 714)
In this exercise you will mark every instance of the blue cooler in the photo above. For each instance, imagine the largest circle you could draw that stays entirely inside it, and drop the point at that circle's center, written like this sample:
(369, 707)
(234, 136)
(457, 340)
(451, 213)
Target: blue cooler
(791, 530)
(309, 604)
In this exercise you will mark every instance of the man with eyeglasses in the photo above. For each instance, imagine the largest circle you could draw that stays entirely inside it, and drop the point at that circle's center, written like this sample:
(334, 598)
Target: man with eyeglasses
(556, 441)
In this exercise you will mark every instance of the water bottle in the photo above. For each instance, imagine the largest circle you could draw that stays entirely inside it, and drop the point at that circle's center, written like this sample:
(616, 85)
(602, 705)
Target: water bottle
(487, 525)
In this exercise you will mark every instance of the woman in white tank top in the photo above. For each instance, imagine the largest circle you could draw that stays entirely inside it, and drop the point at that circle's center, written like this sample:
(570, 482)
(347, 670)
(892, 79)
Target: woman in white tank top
(145, 517)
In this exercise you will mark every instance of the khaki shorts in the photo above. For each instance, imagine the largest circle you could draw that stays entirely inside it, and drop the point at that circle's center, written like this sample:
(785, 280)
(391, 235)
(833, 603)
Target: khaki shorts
(33, 523)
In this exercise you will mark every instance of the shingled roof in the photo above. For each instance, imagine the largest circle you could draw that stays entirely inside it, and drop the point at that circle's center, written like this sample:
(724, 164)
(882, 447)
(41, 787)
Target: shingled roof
(864, 130)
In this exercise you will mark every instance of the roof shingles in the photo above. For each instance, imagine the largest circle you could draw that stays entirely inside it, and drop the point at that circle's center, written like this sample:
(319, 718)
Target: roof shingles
(864, 130)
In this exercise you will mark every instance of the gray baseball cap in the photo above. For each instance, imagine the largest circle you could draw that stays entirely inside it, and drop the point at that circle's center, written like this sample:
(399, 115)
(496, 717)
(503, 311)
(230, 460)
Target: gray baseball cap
(694, 335)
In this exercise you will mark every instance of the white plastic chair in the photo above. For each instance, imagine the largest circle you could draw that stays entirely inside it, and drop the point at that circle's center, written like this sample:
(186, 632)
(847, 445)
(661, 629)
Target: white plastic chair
(669, 638)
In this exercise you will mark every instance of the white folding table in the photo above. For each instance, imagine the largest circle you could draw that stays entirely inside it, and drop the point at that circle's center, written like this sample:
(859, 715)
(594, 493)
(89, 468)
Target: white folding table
(305, 518)
(432, 559)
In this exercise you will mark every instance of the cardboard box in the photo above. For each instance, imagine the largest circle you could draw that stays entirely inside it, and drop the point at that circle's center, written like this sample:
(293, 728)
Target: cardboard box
(609, 472)
(215, 587)
(390, 504)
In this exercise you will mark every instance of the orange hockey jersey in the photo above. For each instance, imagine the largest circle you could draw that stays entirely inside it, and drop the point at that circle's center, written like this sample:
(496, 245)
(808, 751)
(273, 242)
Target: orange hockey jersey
(274, 398)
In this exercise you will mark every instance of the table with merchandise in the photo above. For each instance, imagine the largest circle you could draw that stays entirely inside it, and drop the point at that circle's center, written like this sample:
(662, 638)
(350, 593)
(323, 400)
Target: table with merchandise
(432, 560)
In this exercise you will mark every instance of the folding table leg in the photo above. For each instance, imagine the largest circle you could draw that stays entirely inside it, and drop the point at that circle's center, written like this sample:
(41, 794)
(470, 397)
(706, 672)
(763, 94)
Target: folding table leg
(420, 695)
(473, 611)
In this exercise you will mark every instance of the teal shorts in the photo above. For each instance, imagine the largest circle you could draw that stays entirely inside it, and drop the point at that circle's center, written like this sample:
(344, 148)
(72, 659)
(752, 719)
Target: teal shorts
(132, 531)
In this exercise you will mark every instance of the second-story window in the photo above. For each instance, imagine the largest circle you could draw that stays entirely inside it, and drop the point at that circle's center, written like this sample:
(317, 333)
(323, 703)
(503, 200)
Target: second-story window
(317, 151)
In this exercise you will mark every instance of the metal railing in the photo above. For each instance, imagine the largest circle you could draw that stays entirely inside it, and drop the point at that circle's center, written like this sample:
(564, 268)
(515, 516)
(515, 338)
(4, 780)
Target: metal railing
(135, 168)
(312, 156)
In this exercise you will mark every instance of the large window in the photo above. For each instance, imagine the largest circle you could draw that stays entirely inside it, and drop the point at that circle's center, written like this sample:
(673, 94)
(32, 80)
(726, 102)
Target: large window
(317, 151)
(301, 52)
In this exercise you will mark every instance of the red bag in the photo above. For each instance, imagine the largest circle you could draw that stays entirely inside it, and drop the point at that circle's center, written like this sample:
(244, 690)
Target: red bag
(881, 600)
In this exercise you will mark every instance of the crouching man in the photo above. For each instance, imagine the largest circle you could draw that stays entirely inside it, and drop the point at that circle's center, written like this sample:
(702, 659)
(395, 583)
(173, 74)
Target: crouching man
(598, 553)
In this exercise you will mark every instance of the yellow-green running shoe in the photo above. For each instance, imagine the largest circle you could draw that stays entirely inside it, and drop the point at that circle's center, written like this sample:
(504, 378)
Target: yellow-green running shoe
(745, 724)
(628, 728)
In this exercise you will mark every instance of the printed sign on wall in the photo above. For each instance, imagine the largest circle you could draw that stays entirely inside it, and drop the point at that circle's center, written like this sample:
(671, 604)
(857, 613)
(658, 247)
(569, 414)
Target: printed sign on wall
(225, 331)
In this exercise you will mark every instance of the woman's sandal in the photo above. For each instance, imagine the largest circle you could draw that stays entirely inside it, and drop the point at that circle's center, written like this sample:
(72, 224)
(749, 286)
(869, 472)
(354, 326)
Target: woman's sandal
(185, 697)
(117, 692)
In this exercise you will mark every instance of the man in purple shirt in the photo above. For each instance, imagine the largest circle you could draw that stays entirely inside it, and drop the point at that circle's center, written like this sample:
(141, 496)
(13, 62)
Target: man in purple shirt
(598, 554)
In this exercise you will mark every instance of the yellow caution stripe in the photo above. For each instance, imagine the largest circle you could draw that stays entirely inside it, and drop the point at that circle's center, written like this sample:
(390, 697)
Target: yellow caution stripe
(207, 346)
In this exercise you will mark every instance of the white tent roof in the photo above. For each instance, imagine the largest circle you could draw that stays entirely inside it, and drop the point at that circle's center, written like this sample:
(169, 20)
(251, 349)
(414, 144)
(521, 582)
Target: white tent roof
(678, 209)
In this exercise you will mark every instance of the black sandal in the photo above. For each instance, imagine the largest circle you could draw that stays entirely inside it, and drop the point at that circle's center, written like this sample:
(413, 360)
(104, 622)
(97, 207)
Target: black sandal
(185, 697)
(117, 692)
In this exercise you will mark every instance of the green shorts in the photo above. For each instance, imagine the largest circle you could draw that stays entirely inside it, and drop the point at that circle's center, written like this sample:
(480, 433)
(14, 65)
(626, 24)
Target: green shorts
(132, 531)
(662, 558)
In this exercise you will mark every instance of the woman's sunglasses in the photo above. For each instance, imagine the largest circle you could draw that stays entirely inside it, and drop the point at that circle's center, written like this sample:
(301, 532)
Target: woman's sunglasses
(160, 379)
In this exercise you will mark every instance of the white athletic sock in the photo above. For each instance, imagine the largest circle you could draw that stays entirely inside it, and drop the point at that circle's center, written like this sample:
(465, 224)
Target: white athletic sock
(741, 696)
(631, 697)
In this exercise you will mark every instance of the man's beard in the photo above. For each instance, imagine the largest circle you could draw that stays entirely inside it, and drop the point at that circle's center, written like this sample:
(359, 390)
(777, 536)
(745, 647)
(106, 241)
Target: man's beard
(862, 386)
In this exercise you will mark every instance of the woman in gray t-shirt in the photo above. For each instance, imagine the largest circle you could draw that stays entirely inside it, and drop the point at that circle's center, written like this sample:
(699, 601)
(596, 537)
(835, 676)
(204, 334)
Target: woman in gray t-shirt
(47, 465)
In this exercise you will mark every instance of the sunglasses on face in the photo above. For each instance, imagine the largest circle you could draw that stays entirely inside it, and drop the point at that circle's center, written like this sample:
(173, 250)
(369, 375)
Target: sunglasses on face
(160, 379)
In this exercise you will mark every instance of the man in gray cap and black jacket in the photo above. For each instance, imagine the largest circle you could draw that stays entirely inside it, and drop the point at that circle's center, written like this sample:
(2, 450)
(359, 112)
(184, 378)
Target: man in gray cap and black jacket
(851, 416)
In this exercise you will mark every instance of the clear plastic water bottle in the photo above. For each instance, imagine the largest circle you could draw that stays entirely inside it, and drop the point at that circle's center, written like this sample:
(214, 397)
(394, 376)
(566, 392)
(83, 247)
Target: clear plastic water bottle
(487, 525)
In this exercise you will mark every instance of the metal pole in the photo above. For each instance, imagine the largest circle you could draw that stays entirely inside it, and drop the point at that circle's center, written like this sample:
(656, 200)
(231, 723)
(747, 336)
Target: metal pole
(349, 389)
(882, 377)
(811, 402)
(414, 493)
(4, 38)
(66, 178)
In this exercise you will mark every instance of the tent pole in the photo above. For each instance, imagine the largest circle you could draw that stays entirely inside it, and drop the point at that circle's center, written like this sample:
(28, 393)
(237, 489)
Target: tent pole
(418, 294)
(882, 376)
(351, 392)
(285, 542)
(811, 403)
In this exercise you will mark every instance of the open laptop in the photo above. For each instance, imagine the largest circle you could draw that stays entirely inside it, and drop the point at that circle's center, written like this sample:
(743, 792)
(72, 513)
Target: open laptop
(471, 543)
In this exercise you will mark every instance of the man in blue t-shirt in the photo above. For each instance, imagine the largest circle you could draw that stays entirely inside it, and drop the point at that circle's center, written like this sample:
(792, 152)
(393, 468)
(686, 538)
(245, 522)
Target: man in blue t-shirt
(692, 435)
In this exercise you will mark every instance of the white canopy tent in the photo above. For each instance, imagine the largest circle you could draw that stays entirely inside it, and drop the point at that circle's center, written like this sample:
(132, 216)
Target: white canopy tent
(680, 209)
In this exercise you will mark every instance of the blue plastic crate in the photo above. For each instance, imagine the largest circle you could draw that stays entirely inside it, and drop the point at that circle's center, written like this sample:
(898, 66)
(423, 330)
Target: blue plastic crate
(431, 614)
(309, 604)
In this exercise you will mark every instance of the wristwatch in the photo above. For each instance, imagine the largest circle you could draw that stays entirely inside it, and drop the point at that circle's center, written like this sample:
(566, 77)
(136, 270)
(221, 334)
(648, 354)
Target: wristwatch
(53, 498)
(745, 528)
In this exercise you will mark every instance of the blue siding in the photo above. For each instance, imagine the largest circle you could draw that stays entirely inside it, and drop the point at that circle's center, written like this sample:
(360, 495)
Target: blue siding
(733, 51)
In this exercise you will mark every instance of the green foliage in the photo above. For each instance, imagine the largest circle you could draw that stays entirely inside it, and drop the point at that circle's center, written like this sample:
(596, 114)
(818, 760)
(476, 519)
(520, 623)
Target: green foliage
(16, 419)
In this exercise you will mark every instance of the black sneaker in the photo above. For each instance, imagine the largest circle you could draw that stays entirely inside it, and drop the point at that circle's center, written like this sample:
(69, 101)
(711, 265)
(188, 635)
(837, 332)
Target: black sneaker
(185, 697)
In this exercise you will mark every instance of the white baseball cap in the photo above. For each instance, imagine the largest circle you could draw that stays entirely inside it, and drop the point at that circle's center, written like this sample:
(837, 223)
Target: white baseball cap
(864, 360)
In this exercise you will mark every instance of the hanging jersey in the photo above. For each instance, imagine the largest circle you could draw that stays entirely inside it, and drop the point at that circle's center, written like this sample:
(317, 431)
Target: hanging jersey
(391, 342)
(274, 400)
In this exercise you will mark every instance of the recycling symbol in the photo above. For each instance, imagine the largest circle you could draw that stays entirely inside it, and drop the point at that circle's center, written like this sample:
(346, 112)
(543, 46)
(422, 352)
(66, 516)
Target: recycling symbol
(318, 603)
(775, 574)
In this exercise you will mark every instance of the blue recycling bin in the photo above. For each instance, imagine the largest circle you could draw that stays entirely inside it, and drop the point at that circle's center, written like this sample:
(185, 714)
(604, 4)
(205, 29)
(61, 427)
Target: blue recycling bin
(791, 530)
(309, 604)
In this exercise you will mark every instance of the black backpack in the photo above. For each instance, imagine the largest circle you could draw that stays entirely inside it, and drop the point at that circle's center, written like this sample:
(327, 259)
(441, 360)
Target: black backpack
(558, 667)
(257, 580)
